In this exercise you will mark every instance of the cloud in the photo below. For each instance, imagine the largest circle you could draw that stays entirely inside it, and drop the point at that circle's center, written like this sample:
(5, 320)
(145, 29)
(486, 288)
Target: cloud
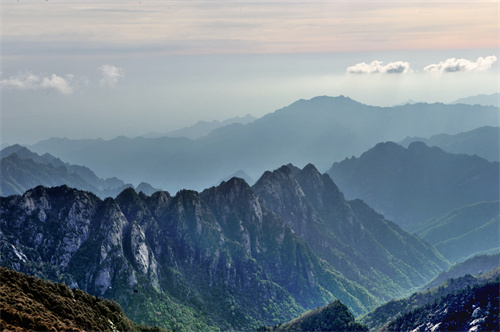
(56, 82)
(461, 65)
(376, 67)
(25, 81)
(111, 75)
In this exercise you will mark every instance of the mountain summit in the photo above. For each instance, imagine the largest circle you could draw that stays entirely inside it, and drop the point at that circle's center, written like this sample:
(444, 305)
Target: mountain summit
(319, 131)
(232, 256)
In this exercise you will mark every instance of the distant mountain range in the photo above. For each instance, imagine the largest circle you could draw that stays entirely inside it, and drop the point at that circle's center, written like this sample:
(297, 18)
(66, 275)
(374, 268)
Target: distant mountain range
(201, 128)
(477, 265)
(319, 131)
(483, 142)
(465, 231)
(485, 100)
(21, 169)
(232, 256)
(411, 185)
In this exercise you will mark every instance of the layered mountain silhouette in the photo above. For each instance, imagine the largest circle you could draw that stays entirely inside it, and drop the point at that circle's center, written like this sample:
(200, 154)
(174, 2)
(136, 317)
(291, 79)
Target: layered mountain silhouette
(411, 185)
(201, 128)
(492, 99)
(465, 231)
(319, 131)
(476, 265)
(22, 169)
(228, 257)
(483, 142)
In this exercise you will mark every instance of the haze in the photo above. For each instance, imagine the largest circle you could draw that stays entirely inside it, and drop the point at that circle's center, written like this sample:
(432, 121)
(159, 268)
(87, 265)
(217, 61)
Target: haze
(92, 69)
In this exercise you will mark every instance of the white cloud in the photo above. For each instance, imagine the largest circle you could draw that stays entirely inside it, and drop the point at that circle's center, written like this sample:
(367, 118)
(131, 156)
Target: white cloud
(461, 65)
(56, 82)
(111, 75)
(377, 67)
(29, 80)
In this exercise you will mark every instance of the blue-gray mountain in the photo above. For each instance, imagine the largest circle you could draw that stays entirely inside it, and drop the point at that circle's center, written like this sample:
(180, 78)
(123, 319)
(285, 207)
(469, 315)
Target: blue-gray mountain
(415, 184)
(319, 131)
(221, 258)
(21, 169)
(477, 265)
(465, 231)
(492, 99)
(483, 142)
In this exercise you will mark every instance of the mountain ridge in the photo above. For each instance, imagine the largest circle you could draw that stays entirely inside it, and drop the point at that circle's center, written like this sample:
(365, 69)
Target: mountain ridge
(319, 131)
(190, 253)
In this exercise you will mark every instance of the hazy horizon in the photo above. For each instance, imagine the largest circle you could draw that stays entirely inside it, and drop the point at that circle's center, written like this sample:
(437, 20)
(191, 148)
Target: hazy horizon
(100, 70)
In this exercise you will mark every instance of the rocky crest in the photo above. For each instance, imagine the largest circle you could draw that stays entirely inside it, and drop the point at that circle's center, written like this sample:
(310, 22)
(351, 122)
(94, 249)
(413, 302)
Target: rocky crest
(232, 256)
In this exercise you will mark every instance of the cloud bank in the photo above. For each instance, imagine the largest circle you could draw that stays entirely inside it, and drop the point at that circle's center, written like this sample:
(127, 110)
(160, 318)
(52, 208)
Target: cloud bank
(461, 65)
(25, 81)
(111, 75)
(376, 67)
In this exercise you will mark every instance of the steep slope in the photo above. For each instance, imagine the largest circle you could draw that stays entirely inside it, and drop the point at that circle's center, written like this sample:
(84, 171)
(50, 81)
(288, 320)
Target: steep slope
(412, 185)
(475, 265)
(29, 303)
(22, 169)
(426, 306)
(470, 309)
(475, 225)
(318, 131)
(354, 239)
(194, 261)
(333, 317)
(483, 142)
(18, 175)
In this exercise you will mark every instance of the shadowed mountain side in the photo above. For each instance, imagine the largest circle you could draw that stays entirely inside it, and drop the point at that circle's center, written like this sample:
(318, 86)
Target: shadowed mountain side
(318, 131)
(22, 169)
(462, 296)
(464, 232)
(357, 241)
(480, 264)
(483, 142)
(215, 259)
(412, 185)
(333, 317)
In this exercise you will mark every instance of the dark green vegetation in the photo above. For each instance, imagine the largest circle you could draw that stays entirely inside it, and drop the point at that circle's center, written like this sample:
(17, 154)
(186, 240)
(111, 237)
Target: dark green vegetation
(465, 231)
(483, 142)
(28, 303)
(319, 131)
(471, 309)
(333, 317)
(229, 257)
(454, 301)
(415, 184)
(356, 240)
(21, 169)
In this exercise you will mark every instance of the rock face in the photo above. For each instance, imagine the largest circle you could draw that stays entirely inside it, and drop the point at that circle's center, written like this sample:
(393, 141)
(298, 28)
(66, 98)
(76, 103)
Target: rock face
(352, 237)
(232, 256)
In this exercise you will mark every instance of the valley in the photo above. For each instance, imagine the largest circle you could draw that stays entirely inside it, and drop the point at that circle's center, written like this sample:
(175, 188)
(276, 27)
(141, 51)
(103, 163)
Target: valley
(298, 248)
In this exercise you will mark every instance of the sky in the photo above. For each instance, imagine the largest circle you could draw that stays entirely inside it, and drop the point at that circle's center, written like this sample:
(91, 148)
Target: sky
(100, 69)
